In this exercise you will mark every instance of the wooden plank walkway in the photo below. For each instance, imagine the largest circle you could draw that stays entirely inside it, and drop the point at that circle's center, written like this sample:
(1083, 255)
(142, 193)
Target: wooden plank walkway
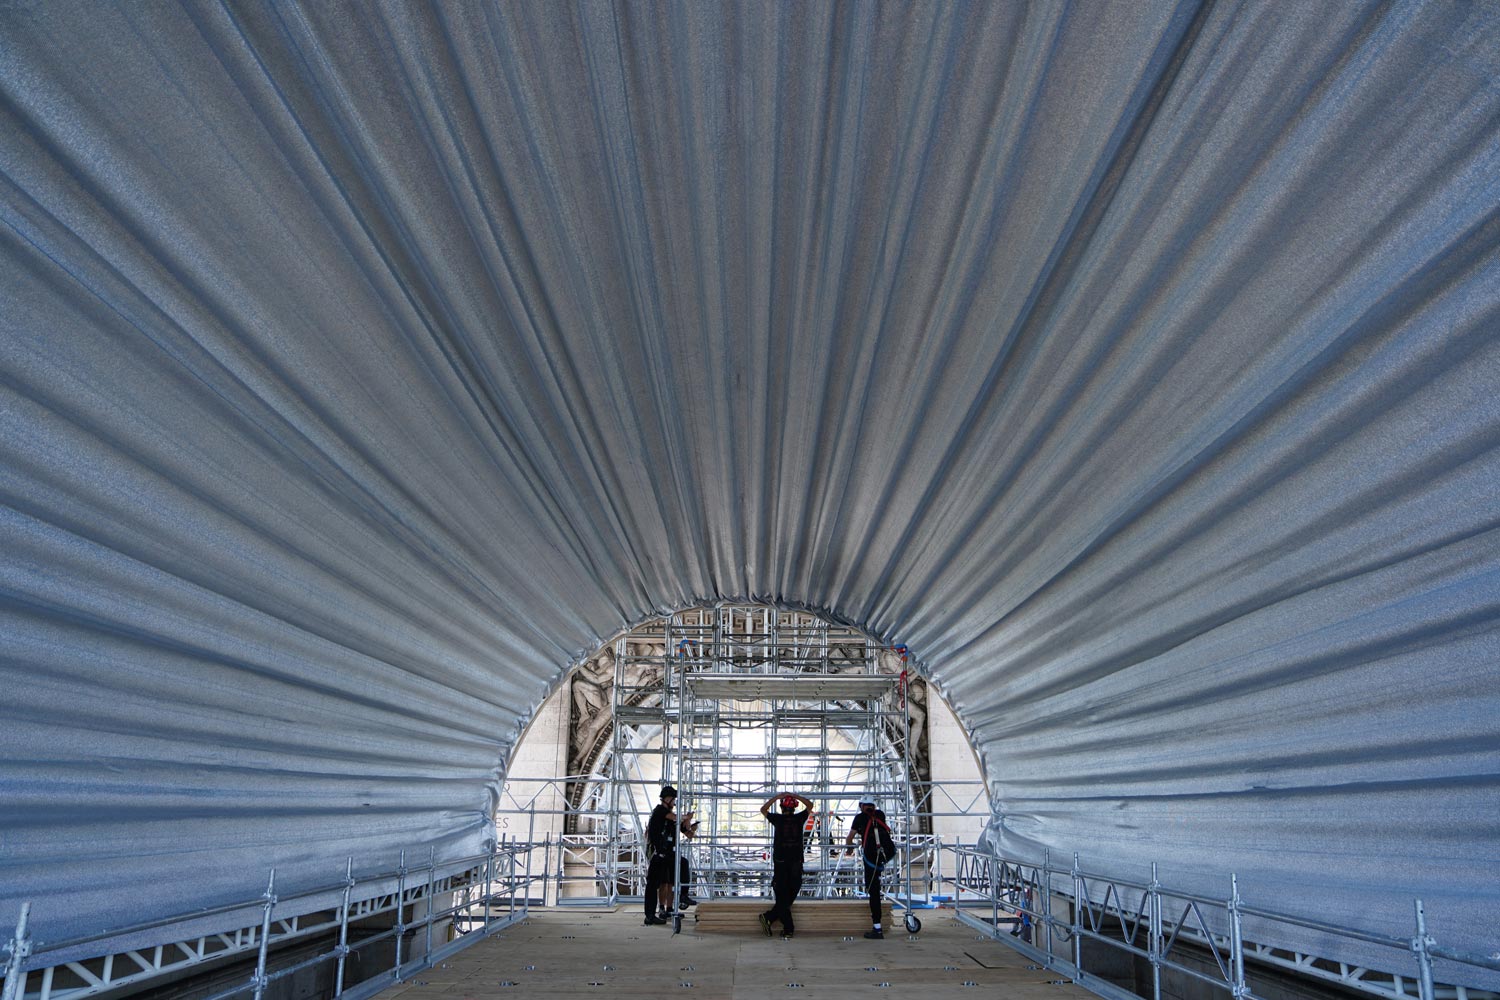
(819, 917)
(572, 953)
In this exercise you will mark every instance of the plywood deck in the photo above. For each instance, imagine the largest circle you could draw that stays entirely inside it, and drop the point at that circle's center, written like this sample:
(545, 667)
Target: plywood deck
(569, 953)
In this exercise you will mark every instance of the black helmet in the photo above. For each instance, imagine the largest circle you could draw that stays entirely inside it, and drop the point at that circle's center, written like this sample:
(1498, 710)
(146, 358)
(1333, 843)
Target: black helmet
(669, 790)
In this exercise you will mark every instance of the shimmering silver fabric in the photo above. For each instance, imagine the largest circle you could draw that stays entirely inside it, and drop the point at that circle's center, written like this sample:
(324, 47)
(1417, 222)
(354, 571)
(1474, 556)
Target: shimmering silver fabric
(364, 365)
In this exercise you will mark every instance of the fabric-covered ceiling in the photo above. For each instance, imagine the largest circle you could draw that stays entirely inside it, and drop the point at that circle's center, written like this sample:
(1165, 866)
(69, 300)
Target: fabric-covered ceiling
(364, 365)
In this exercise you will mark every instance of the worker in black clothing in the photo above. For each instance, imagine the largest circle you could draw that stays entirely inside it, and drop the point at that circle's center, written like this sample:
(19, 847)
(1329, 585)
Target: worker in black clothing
(661, 841)
(786, 858)
(877, 846)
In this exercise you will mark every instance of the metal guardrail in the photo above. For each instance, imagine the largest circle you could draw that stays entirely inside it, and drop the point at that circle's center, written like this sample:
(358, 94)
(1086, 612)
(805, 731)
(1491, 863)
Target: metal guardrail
(594, 868)
(589, 871)
(1155, 923)
(1045, 911)
(490, 891)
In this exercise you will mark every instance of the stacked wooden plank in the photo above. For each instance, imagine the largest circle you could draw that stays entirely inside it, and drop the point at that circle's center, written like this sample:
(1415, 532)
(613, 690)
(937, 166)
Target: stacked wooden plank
(821, 917)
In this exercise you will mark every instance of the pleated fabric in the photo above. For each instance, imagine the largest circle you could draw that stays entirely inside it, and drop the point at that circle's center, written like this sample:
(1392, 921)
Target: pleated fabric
(365, 365)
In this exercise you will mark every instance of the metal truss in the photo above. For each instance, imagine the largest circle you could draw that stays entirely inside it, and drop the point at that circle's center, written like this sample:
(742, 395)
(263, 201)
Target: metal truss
(1154, 923)
(30, 975)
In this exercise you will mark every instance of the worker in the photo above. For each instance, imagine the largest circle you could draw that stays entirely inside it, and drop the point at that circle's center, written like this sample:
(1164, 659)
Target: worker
(877, 847)
(786, 858)
(661, 843)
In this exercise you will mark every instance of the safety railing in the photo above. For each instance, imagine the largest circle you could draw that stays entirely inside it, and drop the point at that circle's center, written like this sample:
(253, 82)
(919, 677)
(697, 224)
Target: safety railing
(487, 892)
(591, 870)
(1049, 913)
(1046, 911)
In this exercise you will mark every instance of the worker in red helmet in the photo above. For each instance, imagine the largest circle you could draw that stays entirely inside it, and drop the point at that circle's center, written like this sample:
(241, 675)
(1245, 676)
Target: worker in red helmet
(877, 846)
(786, 858)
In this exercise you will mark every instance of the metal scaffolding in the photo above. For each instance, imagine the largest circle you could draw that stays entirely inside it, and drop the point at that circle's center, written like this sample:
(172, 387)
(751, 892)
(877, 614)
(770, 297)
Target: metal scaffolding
(734, 703)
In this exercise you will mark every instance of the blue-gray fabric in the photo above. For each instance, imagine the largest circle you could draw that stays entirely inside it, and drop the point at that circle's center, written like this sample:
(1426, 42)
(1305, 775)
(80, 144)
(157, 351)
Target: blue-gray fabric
(364, 365)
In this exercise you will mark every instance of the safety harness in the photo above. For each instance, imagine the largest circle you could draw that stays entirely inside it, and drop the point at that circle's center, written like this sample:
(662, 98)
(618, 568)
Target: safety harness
(880, 842)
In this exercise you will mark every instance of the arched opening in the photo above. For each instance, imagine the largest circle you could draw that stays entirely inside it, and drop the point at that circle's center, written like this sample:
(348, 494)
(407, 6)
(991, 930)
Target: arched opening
(734, 702)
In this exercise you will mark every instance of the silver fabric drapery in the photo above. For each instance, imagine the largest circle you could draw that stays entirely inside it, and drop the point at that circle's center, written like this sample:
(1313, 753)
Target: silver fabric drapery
(363, 366)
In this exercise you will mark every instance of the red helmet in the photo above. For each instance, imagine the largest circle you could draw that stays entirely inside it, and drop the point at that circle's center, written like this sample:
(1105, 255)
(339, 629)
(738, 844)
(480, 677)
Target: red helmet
(789, 802)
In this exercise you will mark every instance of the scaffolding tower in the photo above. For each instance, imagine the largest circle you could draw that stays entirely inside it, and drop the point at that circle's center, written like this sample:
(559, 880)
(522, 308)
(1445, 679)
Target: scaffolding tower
(735, 703)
